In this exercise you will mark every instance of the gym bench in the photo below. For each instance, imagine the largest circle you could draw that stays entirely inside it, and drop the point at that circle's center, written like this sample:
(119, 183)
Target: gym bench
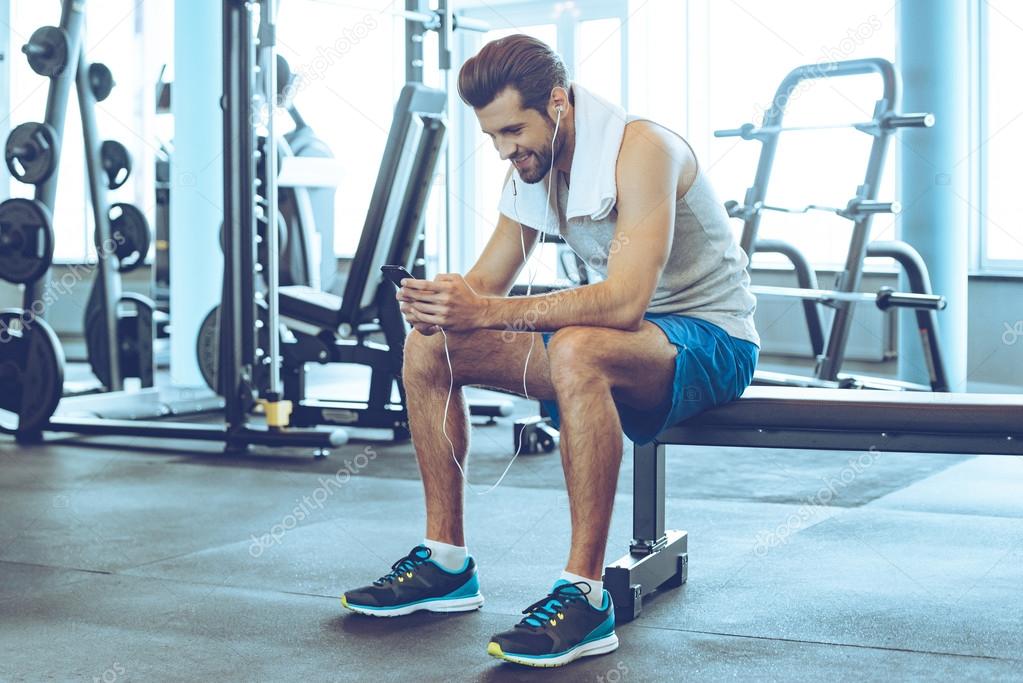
(799, 418)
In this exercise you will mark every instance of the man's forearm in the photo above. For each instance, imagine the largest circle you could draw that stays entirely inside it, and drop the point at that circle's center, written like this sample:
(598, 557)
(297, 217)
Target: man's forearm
(596, 305)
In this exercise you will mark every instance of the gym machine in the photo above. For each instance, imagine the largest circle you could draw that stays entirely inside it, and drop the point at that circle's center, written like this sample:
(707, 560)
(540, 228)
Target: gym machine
(323, 328)
(829, 351)
(119, 342)
(304, 210)
(364, 325)
(37, 371)
(31, 358)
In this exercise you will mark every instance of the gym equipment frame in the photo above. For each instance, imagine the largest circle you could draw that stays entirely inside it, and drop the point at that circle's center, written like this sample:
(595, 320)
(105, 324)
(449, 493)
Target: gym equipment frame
(239, 352)
(860, 210)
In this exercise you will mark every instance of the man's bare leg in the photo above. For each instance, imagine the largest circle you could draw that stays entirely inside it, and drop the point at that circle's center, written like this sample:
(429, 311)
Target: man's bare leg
(484, 357)
(590, 368)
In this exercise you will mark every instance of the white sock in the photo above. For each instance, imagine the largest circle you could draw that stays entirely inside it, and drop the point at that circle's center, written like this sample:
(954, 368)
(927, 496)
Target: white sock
(451, 557)
(596, 594)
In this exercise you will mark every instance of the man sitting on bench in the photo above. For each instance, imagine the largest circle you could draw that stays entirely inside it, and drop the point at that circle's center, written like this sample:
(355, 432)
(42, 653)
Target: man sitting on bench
(666, 334)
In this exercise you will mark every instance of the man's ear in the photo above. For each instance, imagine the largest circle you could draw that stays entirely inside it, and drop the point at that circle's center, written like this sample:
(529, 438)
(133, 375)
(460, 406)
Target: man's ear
(559, 98)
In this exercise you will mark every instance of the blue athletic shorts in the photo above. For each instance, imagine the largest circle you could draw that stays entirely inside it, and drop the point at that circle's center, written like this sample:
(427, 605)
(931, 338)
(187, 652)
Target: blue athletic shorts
(711, 368)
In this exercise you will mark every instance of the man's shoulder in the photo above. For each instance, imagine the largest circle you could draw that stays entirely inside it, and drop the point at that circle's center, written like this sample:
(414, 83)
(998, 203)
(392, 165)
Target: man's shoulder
(647, 144)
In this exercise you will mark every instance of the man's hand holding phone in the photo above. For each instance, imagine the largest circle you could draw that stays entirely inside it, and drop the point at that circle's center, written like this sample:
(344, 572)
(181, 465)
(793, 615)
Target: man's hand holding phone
(396, 275)
(448, 301)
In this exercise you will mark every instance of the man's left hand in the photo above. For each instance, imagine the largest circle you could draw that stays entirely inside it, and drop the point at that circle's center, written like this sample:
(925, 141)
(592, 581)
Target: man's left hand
(447, 301)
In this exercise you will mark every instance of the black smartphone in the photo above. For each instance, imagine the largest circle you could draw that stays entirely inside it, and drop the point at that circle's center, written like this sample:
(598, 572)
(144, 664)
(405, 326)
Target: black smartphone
(396, 274)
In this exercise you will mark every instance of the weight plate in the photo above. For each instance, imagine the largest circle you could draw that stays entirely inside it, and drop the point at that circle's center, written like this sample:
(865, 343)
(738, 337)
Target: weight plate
(134, 338)
(282, 236)
(116, 162)
(31, 371)
(26, 240)
(101, 80)
(131, 237)
(31, 152)
(47, 51)
(207, 349)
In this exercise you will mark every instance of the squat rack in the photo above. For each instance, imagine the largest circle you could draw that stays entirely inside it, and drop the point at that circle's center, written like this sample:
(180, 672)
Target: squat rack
(860, 210)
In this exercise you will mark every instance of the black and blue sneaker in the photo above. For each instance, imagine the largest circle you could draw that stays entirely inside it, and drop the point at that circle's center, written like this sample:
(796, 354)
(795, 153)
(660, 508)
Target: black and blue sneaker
(559, 629)
(418, 583)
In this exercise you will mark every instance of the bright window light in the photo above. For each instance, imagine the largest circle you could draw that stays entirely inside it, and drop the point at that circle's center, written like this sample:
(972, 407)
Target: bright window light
(1003, 142)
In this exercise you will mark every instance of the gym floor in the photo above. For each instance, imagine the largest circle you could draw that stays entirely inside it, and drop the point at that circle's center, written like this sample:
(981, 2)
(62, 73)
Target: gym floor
(137, 561)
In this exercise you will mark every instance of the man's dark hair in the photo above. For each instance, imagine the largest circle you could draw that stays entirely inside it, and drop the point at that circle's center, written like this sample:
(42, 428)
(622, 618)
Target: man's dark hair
(518, 61)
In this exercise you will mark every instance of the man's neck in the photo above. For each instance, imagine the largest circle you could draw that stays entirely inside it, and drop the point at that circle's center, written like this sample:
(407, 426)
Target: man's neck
(564, 161)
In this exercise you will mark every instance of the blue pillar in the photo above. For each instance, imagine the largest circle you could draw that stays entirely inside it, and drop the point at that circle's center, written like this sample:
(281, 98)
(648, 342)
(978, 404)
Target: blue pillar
(197, 195)
(933, 179)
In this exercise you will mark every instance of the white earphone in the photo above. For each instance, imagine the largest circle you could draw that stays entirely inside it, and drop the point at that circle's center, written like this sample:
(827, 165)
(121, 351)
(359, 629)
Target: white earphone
(532, 341)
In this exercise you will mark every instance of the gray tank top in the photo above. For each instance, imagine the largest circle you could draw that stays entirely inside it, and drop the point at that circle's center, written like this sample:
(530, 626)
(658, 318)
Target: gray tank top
(705, 275)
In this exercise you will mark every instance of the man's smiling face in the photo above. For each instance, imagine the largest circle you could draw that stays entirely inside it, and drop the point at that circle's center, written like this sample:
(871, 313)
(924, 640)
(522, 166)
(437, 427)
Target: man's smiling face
(522, 135)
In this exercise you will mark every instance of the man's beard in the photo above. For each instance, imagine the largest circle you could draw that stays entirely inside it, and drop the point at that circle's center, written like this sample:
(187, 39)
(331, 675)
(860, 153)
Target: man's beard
(541, 160)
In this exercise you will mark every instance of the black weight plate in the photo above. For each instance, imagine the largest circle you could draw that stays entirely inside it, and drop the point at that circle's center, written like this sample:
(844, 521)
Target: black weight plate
(47, 51)
(134, 328)
(116, 162)
(26, 240)
(207, 348)
(282, 239)
(31, 152)
(131, 237)
(31, 371)
(101, 81)
(282, 236)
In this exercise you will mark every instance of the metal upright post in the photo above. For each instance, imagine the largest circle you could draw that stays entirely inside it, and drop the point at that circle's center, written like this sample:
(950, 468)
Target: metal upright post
(414, 30)
(237, 309)
(72, 21)
(108, 282)
(277, 411)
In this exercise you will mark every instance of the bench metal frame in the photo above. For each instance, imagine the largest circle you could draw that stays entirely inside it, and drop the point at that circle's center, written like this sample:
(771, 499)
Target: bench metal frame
(813, 419)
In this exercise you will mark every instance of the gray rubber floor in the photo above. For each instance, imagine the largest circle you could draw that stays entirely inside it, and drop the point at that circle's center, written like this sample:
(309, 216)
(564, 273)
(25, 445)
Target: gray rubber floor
(142, 562)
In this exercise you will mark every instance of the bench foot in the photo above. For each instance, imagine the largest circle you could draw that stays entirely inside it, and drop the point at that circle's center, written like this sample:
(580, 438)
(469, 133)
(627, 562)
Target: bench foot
(635, 575)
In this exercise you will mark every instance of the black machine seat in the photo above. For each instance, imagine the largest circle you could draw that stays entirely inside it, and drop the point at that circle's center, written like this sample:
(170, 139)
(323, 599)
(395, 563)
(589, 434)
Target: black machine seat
(310, 305)
(320, 309)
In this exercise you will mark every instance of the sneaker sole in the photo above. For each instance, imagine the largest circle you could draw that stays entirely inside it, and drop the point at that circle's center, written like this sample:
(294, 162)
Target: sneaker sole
(454, 605)
(593, 648)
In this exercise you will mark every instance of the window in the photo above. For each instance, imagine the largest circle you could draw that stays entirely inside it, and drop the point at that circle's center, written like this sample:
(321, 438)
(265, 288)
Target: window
(699, 66)
(111, 37)
(1001, 134)
(737, 85)
(350, 61)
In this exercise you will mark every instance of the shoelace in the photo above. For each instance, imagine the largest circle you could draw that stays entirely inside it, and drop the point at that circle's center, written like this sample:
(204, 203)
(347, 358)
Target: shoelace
(549, 608)
(418, 556)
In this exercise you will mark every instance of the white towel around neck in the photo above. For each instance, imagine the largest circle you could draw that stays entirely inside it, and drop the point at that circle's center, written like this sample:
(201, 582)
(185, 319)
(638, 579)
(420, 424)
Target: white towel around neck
(599, 128)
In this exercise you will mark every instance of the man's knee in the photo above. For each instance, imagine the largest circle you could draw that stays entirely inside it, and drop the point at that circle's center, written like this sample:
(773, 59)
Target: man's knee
(423, 357)
(574, 357)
